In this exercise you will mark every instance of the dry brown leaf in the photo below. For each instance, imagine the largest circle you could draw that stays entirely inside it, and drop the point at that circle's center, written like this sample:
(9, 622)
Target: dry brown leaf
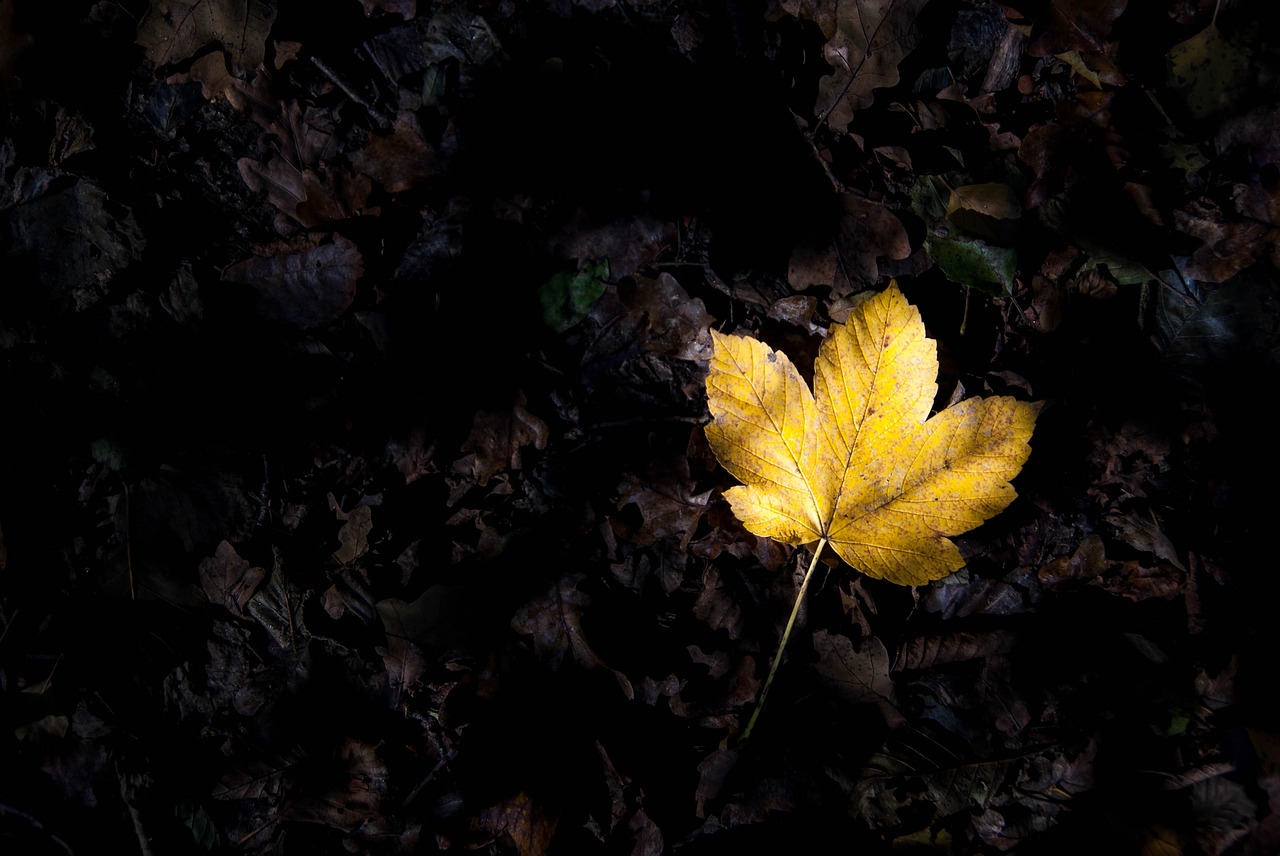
(1075, 25)
(1229, 247)
(498, 436)
(229, 580)
(353, 536)
(858, 675)
(871, 38)
(665, 499)
(400, 160)
(554, 623)
(173, 30)
(306, 288)
(528, 825)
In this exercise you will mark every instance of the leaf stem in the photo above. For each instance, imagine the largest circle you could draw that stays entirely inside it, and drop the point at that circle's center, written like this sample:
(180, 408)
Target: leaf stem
(782, 643)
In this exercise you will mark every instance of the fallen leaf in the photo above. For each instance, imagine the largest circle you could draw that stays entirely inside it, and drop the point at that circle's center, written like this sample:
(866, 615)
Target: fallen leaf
(260, 780)
(400, 160)
(353, 537)
(860, 465)
(173, 30)
(528, 825)
(306, 288)
(278, 608)
(554, 623)
(990, 199)
(498, 436)
(228, 580)
(974, 263)
(857, 676)
(568, 295)
(989, 210)
(871, 38)
(927, 652)
(1228, 247)
(352, 792)
(1210, 71)
(867, 231)
(72, 235)
(1083, 25)
(666, 501)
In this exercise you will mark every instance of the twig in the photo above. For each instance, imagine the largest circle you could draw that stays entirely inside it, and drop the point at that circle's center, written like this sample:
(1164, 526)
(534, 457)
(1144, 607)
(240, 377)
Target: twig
(338, 81)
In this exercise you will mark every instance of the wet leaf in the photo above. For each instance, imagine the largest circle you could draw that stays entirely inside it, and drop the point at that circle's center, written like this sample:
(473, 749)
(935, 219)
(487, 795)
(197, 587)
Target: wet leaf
(859, 464)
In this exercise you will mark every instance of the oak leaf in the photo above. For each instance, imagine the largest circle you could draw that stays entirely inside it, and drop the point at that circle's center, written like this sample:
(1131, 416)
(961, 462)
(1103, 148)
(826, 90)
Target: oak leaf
(858, 463)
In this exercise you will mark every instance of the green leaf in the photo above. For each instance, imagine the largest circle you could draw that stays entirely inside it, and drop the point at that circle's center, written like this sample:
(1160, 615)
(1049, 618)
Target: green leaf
(974, 263)
(567, 297)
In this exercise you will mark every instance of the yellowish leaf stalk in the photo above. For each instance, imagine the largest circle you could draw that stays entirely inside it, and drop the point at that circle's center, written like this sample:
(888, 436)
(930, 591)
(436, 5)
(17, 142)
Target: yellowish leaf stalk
(782, 643)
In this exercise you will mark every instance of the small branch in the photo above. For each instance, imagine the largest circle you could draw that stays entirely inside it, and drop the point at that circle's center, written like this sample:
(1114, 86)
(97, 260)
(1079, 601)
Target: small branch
(350, 91)
(782, 643)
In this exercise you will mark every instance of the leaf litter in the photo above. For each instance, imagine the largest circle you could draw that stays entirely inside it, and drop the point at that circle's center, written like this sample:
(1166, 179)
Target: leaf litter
(426, 572)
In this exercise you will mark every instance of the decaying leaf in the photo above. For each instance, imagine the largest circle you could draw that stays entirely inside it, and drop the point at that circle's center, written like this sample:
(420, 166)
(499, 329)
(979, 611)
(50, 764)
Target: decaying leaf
(497, 438)
(305, 288)
(1209, 70)
(173, 30)
(860, 465)
(70, 233)
(554, 623)
(525, 822)
(856, 676)
(1068, 25)
(871, 38)
(228, 580)
(400, 160)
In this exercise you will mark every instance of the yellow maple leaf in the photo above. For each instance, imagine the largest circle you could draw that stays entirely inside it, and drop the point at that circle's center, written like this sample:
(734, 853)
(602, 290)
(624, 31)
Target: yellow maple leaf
(859, 463)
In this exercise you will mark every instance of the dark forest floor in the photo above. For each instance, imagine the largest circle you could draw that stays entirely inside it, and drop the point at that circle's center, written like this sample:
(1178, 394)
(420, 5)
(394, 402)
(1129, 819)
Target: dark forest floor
(354, 495)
